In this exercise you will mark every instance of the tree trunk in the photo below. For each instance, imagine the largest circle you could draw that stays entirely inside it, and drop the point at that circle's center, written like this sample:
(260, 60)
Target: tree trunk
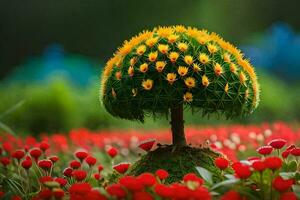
(177, 127)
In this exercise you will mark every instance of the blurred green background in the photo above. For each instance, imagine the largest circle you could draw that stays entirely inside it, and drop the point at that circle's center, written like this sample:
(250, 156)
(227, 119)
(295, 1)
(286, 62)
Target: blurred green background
(52, 53)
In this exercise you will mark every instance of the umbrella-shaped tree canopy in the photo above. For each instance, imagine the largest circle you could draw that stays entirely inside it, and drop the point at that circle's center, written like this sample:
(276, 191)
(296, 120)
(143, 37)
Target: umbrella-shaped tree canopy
(168, 67)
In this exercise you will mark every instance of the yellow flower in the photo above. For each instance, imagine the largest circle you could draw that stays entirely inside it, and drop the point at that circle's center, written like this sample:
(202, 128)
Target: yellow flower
(188, 97)
(172, 38)
(130, 71)
(232, 67)
(188, 59)
(133, 61)
(134, 92)
(182, 71)
(118, 75)
(164, 31)
(212, 48)
(180, 29)
(203, 39)
(147, 84)
(173, 56)
(151, 41)
(171, 77)
(141, 50)
(226, 88)
(226, 57)
(125, 49)
(144, 67)
(163, 48)
(218, 69)
(113, 93)
(203, 58)
(242, 77)
(182, 46)
(246, 94)
(160, 65)
(190, 82)
(152, 56)
(205, 81)
(196, 68)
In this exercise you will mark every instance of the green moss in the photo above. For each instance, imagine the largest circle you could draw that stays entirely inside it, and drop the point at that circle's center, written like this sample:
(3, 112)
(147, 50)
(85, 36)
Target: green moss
(178, 161)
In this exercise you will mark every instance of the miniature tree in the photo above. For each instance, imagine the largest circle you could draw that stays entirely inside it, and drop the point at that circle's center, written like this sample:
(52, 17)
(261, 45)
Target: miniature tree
(171, 68)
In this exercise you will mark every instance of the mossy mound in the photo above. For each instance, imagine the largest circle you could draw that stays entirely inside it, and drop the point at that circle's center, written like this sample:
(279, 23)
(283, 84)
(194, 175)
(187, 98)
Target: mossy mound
(178, 161)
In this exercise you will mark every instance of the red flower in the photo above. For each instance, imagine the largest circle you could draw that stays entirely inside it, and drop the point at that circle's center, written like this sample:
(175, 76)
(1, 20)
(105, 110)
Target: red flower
(90, 160)
(282, 185)
(16, 197)
(44, 179)
(44, 146)
(292, 146)
(45, 164)
(97, 176)
(116, 190)
(61, 181)
(163, 191)
(201, 193)
(75, 164)
(18, 154)
(93, 195)
(5, 161)
(7, 146)
(147, 179)
(79, 175)
(35, 153)
(273, 162)
(221, 163)
(54, 159)
(100, 168)
(162, 174)
(181, 191)
(232, 195)
(112, 152)
(122, 167)
(58, 193)
(295, 151)
(285, 153)
(142, 195)
(81, 154)
(265, 150)
(79, 189)
(68, 171)
(288, 196)
(147, 145)
(253, 158)
(241, 170)
(131, 183)
(258, 165)
(26, 164)
(45, 194)
(193, 177)
(277, 143)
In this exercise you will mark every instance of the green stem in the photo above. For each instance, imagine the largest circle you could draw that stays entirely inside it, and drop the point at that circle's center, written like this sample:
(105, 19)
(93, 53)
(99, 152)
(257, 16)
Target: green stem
(262, 186)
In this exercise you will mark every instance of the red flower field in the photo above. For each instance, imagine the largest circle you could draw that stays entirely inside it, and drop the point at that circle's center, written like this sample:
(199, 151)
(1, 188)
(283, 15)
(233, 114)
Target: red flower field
(256, 162)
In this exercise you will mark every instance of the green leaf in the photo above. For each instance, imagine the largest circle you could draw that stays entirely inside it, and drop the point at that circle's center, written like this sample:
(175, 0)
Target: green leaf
(12, 109)
(292, 167)
(287, 175)
(7, 129)
(205, 174)
(229, 176)
(297, 176)
(228, 183)
(296, 189)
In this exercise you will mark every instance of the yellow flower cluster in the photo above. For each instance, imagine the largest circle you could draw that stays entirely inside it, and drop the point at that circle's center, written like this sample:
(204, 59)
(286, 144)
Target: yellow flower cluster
(143, 44)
